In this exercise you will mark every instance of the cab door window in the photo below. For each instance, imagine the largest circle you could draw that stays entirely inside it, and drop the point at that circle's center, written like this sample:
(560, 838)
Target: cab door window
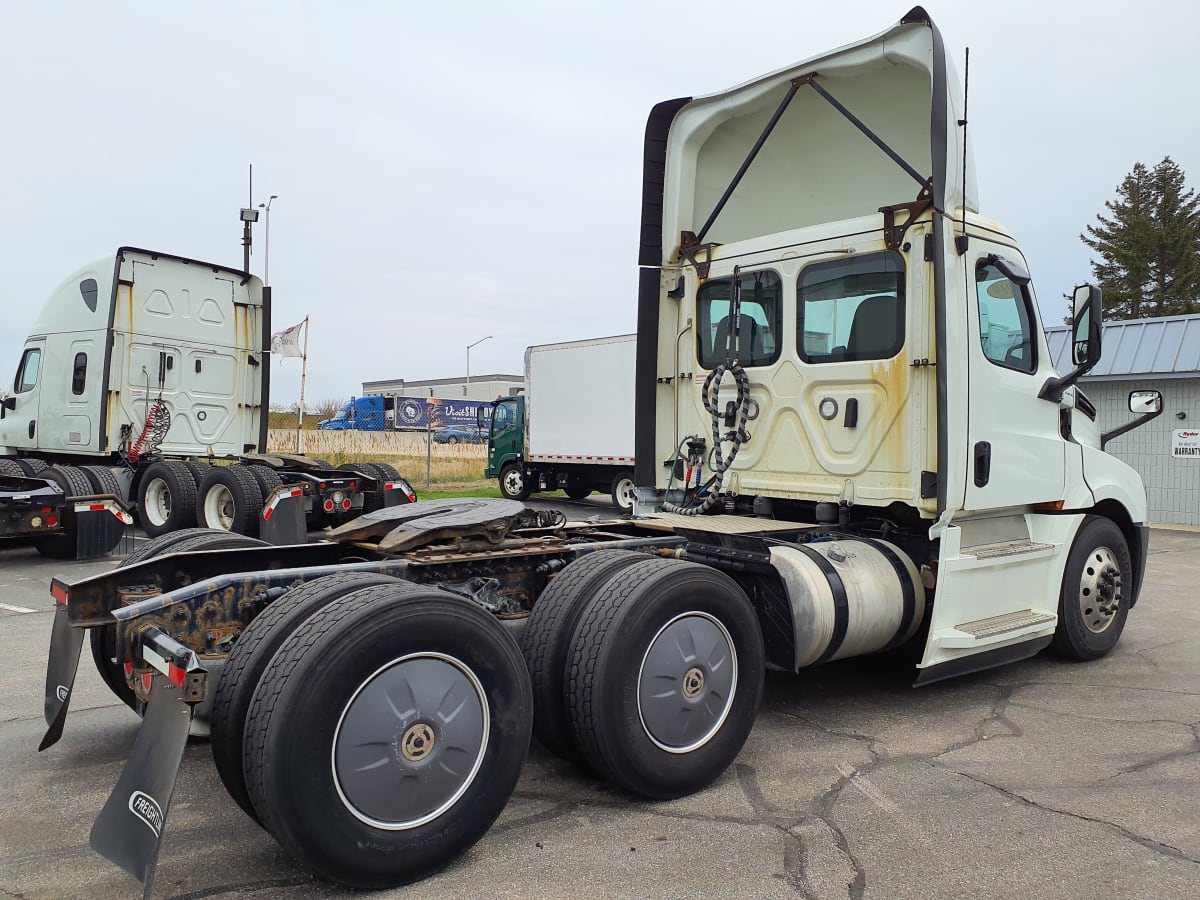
(1005, 330)
(756, 334)
(852, 309)
(27, 372)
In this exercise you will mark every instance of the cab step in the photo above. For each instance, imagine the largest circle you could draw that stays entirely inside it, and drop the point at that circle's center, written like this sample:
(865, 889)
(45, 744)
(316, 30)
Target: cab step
(1006, 548)
(995, 629)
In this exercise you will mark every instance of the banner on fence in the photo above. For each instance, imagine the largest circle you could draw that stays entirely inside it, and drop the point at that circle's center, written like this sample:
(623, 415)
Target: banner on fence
(430, 412)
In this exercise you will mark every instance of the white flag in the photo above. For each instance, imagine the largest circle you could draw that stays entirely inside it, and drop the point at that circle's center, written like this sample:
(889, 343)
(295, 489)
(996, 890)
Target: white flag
(287, 342)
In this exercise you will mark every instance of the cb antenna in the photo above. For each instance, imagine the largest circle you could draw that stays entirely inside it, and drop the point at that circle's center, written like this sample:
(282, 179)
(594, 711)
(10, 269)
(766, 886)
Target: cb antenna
(960, 242)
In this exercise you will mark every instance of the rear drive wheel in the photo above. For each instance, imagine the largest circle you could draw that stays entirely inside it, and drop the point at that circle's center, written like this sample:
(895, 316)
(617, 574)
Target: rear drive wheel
(249, 659)
(32, 466)
(513, 483)
(1094, 601)
(74, 484)
(622, 491)
(166, 498)
(546, 642)
(402, 714)
(9, 467)
(102, 479)
(577, 488)
(103, 640)
(268, 479)
(230, 500)
(665, 678)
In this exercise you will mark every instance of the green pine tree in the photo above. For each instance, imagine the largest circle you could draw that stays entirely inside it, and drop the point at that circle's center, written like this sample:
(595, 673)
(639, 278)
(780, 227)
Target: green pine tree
(1149, 245)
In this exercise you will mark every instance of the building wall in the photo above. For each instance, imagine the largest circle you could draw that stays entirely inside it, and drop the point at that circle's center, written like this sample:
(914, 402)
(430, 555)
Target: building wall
(1172, 484)
(483, 388)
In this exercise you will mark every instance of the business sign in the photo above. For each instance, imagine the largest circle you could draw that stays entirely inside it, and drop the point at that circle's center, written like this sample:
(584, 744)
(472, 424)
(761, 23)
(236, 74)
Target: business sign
(1186, 444)
(422, 412)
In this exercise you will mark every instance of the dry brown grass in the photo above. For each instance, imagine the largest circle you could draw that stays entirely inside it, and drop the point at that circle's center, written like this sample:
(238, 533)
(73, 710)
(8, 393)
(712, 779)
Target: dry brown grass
(448, 467)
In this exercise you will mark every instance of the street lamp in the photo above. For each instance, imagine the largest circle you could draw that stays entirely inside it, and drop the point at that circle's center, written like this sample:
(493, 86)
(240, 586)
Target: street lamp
(267, 253)
(467, 386)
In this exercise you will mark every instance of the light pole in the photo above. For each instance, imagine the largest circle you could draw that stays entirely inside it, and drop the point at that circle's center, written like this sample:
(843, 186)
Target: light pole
(267, 252)
(467, 386)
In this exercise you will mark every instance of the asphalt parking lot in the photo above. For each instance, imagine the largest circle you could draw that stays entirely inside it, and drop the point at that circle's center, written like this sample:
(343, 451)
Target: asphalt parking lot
(1042, 779)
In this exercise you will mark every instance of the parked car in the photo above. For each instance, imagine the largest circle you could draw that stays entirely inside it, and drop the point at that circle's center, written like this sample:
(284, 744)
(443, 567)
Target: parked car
(458, 434)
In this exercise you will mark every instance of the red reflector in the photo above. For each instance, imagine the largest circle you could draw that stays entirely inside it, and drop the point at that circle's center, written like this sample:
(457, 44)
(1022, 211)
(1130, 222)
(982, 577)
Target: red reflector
(353, 485)
(51, 521)
(412, 498)
(345, 504)
(47, 509)
(96, 507)
(147, 681)
(267, 515)
(322, 485)
(175, 674)
(58, 592)
(328, 506)
(128, 669)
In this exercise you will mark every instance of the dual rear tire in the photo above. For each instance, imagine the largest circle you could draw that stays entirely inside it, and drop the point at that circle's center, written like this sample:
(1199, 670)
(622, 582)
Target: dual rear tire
(403, 711)
(648, 670)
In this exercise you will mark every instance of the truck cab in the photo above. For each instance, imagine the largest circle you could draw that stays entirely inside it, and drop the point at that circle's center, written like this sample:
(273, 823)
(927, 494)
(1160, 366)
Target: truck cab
(830, 330)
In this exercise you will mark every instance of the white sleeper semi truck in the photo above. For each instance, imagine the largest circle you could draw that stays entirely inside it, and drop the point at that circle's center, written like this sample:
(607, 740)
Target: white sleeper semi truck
(144, 367)
(573, 426)
(849, 438)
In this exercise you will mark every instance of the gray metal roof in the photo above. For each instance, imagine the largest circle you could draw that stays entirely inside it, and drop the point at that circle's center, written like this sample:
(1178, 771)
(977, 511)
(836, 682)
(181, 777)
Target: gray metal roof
(1165, 347)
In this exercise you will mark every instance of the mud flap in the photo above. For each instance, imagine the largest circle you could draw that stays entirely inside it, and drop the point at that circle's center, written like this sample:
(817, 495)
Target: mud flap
(281, 522)
(61, 668)
(129, 829)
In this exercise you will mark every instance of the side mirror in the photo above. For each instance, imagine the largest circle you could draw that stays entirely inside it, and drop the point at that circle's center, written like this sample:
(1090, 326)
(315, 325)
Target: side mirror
(1143, 402)
(1085, 329)
(1147, 405)
(480, 418)
(1085, 341)
(8, 402)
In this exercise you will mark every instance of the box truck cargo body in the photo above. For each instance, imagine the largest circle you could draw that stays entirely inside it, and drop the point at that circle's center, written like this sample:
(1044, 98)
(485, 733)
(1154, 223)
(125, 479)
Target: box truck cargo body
(573, 428)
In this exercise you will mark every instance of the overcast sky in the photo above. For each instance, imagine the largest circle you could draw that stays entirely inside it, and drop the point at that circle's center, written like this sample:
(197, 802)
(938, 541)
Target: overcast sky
(451, 171)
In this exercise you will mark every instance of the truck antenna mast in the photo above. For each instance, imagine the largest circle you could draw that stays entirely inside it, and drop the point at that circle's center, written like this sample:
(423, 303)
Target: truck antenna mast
(960, 242)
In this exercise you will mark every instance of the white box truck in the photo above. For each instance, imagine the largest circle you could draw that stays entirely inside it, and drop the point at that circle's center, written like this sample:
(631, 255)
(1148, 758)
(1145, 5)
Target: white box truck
(573, 427)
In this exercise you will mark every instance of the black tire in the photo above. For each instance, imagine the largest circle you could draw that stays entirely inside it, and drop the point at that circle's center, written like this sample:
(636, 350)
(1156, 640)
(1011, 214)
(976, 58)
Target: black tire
(198, 470)
(268, 479)
(102, 480)
(387, 472)
(577, 488)
(653, 742)
(513, 483)
(546, 642)
(166, 498)
(317, 704)
(372, 499)
(251, 654)
(230, 500)
(321, 463)
(32, 466)
(103, 640)
(622, 491)
(10, 467)
(1094, 601)
(73, 482)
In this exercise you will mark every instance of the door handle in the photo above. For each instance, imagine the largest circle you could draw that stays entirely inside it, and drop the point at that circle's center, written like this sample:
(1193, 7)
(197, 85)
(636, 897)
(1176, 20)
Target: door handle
(983, 463)
(31, 425)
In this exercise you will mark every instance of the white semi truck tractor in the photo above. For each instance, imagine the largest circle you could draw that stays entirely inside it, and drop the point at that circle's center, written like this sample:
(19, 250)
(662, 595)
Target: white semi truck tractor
(142, 369)
(849, 438)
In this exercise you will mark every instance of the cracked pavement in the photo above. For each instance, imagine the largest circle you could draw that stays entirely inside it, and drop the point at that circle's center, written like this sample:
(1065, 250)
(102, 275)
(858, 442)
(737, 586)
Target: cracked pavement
(1039, 779)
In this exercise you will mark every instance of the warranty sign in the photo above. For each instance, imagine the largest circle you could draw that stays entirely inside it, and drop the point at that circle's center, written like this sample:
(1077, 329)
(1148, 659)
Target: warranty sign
(1186, 444)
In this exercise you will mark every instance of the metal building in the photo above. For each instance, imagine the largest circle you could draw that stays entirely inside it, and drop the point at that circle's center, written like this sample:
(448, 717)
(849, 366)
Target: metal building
(1150, 354)
(481, 387)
